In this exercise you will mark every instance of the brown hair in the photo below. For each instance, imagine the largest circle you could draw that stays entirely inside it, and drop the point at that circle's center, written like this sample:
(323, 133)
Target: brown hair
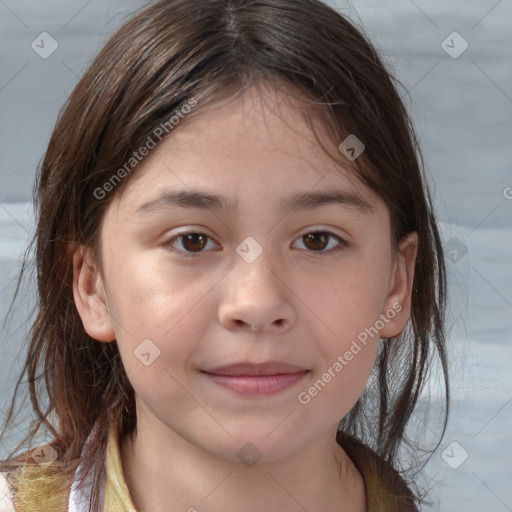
(172, 51)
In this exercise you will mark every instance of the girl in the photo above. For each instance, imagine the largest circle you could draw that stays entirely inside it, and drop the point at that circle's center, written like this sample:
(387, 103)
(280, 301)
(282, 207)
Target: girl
(241, 282)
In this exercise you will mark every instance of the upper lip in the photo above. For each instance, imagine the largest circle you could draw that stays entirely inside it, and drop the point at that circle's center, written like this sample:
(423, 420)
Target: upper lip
(267, 368)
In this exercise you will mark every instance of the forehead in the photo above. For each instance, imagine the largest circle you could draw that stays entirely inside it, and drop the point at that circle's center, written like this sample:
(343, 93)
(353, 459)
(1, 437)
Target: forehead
(251, 143)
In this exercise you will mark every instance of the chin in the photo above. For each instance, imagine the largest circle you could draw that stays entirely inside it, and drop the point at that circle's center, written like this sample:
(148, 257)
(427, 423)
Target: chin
(250, 446)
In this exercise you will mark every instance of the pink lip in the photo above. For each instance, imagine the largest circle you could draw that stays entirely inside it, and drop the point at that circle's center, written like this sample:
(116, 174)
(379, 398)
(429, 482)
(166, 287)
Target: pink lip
(256, 369)
(256, 379)
(262, 385)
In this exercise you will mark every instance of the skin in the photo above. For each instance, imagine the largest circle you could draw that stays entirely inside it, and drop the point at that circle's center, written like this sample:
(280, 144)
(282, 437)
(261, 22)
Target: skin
(291, 304)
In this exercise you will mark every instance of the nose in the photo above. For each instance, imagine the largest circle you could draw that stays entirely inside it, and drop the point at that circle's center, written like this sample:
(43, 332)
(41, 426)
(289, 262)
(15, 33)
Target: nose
(256, 298)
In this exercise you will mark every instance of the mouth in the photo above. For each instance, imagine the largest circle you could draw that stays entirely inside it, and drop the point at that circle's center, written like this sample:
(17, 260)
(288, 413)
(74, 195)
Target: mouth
(257, 379)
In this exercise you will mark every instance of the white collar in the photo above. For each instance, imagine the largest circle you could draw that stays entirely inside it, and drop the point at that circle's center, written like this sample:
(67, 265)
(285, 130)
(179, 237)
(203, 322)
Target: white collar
(80, 499)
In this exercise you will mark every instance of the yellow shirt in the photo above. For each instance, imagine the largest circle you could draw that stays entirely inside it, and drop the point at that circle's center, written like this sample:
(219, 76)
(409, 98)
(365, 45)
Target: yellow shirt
(36, 489)
(39, 489)
(117, 495)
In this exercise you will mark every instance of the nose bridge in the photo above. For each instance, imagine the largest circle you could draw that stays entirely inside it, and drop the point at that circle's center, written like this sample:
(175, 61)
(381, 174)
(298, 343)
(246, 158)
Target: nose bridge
(255, 262)
(254, 294)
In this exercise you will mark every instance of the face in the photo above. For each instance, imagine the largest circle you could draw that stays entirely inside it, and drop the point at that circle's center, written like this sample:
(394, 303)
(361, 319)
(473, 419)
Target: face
(258, 278)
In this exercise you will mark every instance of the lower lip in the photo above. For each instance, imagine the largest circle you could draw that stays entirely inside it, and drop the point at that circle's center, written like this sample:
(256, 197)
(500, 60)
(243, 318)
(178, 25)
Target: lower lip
(263, 385)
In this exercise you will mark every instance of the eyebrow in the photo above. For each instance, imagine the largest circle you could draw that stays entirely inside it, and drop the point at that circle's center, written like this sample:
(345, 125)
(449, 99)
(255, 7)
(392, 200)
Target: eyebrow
(298, 201)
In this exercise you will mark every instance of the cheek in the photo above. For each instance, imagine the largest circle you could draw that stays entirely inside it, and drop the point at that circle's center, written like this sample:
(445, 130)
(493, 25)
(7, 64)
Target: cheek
(150, 297)
(347, 302)
(347, 312)
(328, 397)
(160, 311)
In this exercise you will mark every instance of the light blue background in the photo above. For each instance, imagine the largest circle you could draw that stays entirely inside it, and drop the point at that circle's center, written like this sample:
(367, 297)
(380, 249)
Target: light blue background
(462, 110)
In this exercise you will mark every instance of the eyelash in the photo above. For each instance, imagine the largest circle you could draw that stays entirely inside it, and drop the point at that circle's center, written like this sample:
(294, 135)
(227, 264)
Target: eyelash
(342, 244)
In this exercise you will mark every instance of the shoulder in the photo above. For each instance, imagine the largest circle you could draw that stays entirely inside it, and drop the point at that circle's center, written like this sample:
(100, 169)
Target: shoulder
(386, 489)
(32, 487)
(6, 498)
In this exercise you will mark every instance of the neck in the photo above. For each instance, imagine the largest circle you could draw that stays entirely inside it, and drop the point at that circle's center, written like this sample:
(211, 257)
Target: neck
(174, 475)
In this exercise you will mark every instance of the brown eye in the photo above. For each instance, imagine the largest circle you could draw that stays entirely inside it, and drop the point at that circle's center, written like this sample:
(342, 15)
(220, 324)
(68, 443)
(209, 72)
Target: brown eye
(316, 241)
(320, 242)
(190, 243)
(193, 242)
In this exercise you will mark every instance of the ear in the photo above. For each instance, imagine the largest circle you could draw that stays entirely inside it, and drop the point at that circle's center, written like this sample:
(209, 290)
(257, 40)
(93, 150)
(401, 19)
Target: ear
(398, 302)
(90, 297)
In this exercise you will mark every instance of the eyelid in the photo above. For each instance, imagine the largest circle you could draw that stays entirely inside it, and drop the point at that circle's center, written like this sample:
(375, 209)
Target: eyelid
(321, 229)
